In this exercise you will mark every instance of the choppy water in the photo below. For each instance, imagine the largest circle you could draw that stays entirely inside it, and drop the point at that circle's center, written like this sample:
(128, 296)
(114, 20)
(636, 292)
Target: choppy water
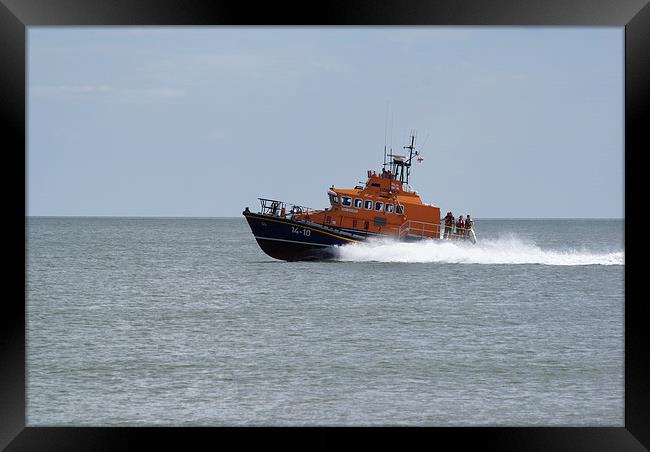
(187, 322)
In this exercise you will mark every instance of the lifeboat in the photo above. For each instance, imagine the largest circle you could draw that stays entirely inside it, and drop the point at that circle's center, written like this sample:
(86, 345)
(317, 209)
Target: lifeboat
(385, 206)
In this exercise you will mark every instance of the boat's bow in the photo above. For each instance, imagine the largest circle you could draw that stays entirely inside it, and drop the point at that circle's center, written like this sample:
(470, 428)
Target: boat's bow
(283, 237)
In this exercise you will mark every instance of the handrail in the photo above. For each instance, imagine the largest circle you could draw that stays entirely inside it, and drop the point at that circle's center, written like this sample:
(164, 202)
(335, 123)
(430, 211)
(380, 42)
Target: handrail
(282, 209)
(419, 228)
(433, 230)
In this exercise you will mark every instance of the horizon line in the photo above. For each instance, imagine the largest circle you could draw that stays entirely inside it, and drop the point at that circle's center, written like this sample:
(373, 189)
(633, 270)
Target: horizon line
(239, 216)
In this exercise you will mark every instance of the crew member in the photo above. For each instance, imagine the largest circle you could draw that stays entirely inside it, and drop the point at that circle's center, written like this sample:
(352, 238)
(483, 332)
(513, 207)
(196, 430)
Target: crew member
(469, 223)
(460, 227)
(449, 224)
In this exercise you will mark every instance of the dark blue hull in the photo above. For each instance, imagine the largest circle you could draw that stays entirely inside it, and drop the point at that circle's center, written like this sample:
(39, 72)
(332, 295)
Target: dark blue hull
(288, 240)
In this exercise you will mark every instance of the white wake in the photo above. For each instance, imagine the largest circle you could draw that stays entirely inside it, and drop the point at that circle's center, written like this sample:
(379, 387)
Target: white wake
(504, 250)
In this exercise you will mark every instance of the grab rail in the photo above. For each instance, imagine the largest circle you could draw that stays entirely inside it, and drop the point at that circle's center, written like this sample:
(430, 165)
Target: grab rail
(433, 230)
(282, 209)
(419, 228)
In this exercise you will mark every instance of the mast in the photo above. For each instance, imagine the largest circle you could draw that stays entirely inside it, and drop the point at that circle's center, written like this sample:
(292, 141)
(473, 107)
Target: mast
(398, 163)
(408, 162)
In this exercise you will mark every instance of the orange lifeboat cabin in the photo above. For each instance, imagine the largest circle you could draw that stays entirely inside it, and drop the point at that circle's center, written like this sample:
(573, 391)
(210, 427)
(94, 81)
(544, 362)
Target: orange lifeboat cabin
(385, 206)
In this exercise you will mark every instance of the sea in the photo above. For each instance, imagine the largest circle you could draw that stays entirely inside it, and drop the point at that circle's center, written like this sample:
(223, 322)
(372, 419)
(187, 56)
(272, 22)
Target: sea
(186, 322)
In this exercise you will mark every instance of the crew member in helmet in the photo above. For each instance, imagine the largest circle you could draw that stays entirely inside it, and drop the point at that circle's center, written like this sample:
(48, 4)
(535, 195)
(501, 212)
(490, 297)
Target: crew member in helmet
(460, 227)
(449, 224)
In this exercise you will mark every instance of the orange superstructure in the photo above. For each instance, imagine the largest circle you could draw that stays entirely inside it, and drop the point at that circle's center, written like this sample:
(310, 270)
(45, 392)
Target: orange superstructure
(383, 206)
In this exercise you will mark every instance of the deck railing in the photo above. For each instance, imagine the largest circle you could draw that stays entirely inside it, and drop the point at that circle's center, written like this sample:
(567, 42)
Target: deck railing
(419, 229)
(413, 228)
(283, 209)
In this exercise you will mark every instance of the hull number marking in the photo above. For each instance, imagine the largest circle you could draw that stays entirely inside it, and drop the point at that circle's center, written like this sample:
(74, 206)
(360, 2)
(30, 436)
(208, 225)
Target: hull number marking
(301, 231)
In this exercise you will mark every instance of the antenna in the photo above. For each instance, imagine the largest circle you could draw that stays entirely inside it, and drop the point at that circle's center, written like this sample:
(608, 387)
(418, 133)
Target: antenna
(385, 134)
(425, 141)
(392, 118)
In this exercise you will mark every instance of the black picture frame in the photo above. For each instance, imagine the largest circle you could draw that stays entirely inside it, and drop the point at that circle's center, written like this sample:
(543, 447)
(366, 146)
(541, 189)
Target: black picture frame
(17, 15)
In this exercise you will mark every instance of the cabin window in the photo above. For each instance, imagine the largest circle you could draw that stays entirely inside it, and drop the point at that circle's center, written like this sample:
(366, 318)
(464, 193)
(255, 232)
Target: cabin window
(399, 210)
(357, 203)
(389, 208)
(334, 199)
(346, 201)
(367, 204)
(378, 206)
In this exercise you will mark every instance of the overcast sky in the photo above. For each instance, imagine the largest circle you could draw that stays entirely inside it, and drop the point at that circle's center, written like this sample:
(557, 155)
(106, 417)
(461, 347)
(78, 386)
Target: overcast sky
(201, 121)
